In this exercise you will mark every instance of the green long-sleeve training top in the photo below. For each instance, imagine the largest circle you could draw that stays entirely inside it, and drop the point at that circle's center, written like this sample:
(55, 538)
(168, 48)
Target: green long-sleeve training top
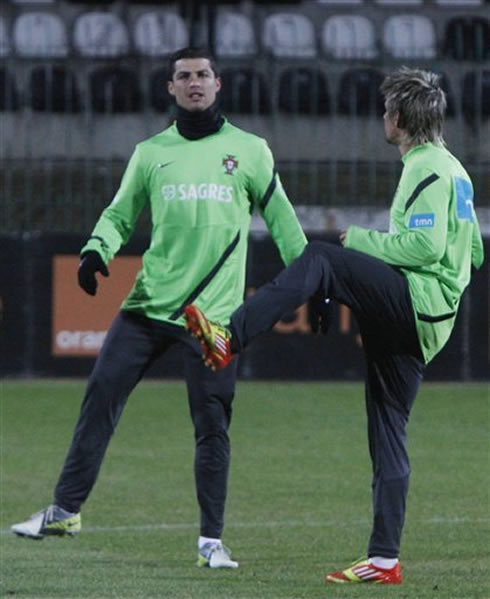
(201, 194)
(434, 238)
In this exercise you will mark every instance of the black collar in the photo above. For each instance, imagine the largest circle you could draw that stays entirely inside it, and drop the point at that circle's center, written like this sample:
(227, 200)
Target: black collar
(195, 125)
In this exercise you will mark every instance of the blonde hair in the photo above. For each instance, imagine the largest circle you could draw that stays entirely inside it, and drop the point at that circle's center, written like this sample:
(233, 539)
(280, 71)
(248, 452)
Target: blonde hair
(420, 102)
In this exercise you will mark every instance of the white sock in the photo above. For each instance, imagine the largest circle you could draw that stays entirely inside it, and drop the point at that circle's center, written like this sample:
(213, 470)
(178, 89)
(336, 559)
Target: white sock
(383, 562)
(204, 540)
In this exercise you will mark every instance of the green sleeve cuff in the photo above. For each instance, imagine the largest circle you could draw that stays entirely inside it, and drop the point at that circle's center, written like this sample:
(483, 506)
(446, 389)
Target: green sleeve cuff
(351, 236)
(98, 245)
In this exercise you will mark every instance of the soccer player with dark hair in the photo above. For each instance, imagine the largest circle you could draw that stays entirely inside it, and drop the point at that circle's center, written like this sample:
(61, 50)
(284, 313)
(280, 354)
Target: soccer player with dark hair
(201, 178)
(404, 286)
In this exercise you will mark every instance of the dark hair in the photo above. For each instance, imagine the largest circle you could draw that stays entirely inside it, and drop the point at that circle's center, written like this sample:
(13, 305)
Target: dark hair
(417, 97)
(191, 53)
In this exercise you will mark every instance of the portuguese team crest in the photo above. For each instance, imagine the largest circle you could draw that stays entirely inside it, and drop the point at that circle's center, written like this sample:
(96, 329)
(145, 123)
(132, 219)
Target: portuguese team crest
(230, 164)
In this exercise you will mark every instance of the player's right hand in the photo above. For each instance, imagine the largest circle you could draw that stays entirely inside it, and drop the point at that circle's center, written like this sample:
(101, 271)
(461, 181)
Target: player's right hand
(90, 263)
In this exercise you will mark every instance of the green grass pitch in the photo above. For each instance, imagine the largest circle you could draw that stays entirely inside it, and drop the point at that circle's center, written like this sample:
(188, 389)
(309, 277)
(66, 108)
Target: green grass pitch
(298, 504)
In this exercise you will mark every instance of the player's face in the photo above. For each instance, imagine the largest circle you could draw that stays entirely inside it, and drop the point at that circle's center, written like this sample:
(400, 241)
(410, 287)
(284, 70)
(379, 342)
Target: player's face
(194, 84)
(391, 127)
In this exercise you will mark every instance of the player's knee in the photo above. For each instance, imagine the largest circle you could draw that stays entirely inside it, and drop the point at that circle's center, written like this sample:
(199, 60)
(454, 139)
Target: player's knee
(212, 447)
(321, 252)
(205, 427)
(314, 248)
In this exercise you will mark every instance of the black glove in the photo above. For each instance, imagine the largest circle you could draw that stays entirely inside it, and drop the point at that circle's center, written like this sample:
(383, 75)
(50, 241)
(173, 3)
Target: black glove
(321, 313)
(90, 263)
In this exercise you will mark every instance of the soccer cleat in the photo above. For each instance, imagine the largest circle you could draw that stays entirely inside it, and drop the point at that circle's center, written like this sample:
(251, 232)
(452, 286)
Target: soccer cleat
(214, 338)
(53, 520)
(215, 555)
(363, 571)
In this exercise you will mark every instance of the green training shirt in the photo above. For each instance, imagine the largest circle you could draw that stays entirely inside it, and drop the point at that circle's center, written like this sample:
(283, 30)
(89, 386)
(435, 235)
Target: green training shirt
(434, 238)
(201, 194)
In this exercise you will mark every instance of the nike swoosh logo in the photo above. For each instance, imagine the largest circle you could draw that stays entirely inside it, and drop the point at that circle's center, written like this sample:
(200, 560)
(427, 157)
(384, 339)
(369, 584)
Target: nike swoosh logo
(164, 164)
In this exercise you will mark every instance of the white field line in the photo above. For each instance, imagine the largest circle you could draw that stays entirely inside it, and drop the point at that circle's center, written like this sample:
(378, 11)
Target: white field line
(269, 524)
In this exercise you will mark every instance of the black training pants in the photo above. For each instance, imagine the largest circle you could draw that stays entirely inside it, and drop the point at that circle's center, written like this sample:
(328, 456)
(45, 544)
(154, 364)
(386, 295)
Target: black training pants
(132, 344)
(379, 297)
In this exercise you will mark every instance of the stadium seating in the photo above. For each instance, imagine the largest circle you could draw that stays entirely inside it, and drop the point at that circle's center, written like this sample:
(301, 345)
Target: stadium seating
(234, 35)
(9, 97)
(159, 98)
(467, 38)
(244, 91)
(159, 33)
(446, 86)
(53, 88)
(304, 91)
(359, 93)
(114, 89)
(98, 34)
(399, 3)
(40, 35)
(95, 2)
(5, 47)
(410, 36)
(460, 3)
(349, 36)
(476, 93)
(40, 32)
(289, 35)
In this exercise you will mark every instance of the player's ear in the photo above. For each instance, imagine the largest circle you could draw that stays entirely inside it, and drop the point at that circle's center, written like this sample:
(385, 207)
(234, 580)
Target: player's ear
(170, 88)
(397, 120)
(218, 84)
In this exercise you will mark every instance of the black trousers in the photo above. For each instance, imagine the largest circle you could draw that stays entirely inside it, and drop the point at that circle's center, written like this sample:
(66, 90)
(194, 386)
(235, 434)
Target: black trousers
(132, 344)
(379, 297)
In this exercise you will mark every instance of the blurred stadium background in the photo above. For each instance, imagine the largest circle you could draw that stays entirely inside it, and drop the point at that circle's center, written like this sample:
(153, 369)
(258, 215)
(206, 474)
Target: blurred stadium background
(82, 82)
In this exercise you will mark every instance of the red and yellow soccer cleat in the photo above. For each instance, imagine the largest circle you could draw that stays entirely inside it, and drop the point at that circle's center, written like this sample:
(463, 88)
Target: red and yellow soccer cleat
(214, 338)
(363, 571)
